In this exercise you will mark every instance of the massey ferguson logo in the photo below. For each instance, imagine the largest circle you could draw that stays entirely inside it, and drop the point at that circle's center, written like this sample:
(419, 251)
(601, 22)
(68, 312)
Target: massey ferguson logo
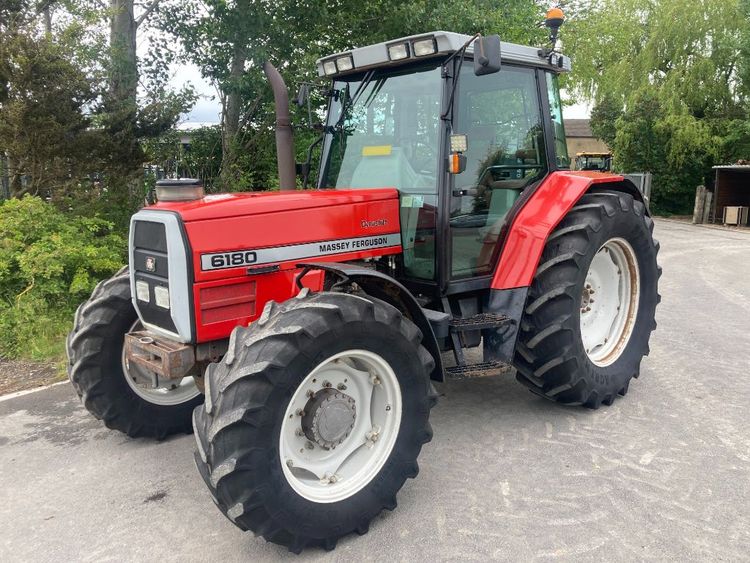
(375, 223)
(150, 264)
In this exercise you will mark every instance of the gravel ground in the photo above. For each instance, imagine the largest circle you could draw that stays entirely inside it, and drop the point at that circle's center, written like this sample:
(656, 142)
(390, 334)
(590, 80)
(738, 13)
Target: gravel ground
(17, 375)
(662, 475)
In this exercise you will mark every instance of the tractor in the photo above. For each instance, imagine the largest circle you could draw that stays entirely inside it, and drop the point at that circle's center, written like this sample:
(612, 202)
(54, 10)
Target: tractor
(597, 161)
(298, 333)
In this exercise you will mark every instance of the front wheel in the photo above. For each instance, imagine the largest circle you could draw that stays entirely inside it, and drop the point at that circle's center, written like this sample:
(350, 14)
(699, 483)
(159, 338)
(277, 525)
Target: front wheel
(315, 418)
(591, 306)
(111, 389)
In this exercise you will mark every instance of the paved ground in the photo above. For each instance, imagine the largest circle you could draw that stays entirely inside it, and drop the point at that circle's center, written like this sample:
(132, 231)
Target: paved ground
(663, 474)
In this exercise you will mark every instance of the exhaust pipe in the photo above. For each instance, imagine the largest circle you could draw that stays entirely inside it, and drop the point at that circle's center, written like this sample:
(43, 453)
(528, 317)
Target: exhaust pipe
(284, 141)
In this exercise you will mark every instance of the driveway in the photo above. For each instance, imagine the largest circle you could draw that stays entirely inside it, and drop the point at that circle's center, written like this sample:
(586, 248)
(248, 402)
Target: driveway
(663, 474)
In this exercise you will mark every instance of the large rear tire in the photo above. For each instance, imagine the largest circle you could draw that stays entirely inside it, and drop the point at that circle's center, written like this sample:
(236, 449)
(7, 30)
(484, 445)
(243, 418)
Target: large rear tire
(591, 306)
(99, 375)
(315, 418)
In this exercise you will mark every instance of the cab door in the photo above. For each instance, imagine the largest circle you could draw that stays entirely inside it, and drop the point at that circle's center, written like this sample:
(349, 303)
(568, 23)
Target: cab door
(501, 116)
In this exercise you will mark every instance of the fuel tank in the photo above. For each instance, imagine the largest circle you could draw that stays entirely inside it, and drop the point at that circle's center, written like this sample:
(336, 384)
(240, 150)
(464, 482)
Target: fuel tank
(243, 248)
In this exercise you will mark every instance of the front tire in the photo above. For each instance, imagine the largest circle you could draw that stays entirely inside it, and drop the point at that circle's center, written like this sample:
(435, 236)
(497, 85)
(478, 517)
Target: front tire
(98, 373)
(266, 457)
(591, 306)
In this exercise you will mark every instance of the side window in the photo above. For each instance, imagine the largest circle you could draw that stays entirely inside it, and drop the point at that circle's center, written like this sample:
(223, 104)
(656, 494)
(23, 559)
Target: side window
(501, 116)
(555, 106)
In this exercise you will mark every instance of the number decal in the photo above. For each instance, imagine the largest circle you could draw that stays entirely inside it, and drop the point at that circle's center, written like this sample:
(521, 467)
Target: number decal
(228, 260)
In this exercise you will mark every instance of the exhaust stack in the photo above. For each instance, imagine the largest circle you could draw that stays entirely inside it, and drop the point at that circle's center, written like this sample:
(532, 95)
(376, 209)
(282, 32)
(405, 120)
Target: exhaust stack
(284, 139)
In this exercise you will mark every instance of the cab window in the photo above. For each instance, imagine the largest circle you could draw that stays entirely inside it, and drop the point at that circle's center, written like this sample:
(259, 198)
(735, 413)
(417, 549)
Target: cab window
(501, 116)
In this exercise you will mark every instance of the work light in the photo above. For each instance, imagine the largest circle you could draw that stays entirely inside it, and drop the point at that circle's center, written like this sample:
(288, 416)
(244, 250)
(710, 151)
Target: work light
(398, 51)
(345, 63)
(423, 47)
(329, 67)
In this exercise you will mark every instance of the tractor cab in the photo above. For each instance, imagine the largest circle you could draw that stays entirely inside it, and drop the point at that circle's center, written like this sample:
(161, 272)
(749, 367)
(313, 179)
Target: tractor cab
(460, 143)
(594, 161)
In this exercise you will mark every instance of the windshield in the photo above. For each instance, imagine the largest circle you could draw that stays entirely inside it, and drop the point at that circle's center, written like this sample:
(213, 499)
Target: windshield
(389, 135)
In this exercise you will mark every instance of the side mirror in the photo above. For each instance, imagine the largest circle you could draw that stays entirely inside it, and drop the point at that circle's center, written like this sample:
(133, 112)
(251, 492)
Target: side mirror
(302, 95)
(487, 55)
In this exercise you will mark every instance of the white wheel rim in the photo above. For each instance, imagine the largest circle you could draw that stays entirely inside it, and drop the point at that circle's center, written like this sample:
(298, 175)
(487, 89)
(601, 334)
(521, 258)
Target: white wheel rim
(609, 302)
(177, 393)
(326, 475)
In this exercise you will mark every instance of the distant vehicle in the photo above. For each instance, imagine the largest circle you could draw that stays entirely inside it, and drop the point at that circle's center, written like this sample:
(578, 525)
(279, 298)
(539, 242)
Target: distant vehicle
(598, 161)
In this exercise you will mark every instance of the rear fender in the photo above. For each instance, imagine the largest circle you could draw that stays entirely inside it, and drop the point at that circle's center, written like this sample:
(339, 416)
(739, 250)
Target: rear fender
(385, 288)
(540, 214)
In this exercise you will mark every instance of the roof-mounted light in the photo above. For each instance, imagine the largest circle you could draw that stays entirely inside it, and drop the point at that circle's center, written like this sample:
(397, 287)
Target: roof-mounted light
(398, 52)
(424, 47)
(345, 63)
(329, 67)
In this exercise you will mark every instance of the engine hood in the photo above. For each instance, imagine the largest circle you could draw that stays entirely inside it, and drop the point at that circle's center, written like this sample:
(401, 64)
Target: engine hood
(221, 206)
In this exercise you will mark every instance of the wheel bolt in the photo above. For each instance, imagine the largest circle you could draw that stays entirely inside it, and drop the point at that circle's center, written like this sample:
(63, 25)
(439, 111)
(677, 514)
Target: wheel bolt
(300, 412)
(289, 463)
(309, 445)
(310, 394)
(388, 407)
(326, 384)
(299, 432)
(341, 387)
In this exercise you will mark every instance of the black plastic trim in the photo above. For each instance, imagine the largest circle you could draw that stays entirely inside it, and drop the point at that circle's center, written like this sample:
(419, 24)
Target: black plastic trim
(385, 288)
(500, 343)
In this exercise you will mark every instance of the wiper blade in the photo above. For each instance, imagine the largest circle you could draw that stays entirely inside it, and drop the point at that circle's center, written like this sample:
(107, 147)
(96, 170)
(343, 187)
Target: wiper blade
(350, 100)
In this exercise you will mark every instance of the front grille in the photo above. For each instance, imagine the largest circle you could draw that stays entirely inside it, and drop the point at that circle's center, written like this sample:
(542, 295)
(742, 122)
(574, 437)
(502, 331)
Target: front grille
(150, 265)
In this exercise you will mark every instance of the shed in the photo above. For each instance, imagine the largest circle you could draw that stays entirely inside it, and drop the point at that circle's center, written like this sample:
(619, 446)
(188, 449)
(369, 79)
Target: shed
(731, 188)
(581, 138)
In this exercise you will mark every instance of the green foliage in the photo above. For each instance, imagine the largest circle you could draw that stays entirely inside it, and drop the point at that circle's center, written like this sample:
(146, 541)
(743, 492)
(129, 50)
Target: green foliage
(672, 87)
(49, 262)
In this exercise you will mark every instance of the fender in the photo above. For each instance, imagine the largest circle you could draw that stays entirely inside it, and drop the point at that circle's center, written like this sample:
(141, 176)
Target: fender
(539, 216)
(387, 289)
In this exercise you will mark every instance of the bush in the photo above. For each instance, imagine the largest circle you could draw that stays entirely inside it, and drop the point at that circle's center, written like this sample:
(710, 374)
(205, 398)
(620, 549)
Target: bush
(49, 263)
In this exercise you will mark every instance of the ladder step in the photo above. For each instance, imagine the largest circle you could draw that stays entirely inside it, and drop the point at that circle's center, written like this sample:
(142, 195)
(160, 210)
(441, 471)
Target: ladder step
(484, 369)
(480, 321)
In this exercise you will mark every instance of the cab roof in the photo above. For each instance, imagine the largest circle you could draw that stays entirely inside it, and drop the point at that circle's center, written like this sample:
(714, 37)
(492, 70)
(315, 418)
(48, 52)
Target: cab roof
(446, 42)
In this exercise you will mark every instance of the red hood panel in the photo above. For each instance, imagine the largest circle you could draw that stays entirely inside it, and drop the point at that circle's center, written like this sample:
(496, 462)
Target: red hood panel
(221, 206)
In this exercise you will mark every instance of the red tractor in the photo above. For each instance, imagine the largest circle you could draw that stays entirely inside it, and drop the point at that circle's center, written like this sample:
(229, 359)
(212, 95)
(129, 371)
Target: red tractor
(298, 333)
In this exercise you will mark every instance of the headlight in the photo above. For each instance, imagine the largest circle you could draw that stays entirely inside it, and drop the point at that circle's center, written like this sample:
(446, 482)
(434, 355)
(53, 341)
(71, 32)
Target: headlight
(423, 47)
(398, 51)
(161, 296)
(329, 67)
(142, 292)
(345, 63)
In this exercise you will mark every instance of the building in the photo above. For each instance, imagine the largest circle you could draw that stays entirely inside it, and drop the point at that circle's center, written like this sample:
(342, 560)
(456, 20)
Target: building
(581, 139)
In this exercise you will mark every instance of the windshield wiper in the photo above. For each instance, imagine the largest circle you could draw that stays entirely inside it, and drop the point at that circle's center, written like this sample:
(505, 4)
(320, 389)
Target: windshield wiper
(349, 101)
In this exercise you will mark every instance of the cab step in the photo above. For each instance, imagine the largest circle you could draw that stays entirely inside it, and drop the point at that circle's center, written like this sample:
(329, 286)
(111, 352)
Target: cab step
(479, 322)
(470, 371)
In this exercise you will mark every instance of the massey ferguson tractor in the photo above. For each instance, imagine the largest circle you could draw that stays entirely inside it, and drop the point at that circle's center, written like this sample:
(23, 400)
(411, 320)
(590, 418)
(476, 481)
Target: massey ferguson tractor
(298, 333)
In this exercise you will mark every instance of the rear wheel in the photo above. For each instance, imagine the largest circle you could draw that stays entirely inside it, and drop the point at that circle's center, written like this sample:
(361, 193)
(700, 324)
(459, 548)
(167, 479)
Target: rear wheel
(112, 390)
(590, 309)
(314, 419)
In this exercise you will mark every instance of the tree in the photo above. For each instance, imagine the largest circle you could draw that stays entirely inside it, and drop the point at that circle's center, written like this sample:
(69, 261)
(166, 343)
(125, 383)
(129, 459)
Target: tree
(676, 72)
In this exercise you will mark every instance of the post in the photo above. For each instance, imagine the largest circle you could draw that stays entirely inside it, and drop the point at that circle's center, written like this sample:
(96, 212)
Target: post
(707, 207)
(700, 203)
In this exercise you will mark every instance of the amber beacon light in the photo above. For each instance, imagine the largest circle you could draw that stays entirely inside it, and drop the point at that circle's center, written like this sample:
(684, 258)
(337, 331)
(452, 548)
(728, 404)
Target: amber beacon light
(554, 20)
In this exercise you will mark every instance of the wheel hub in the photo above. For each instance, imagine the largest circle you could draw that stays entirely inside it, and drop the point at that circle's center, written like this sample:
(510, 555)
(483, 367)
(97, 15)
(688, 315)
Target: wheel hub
(329, 418)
